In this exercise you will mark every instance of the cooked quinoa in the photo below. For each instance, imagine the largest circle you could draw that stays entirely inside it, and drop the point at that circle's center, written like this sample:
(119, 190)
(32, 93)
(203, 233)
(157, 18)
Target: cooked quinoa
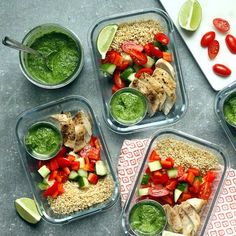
(187, 155)
(140, 32)
(76, 199)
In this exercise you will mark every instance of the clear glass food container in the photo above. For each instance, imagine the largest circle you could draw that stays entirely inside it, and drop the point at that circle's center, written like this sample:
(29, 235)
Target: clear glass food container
(219, 104)
(159, 119)
(42, 113)
(193, 141)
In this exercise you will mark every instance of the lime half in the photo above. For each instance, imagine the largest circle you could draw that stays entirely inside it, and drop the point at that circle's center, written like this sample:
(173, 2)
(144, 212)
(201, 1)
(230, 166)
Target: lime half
(27, 209)
(105, 38)
(190, 15)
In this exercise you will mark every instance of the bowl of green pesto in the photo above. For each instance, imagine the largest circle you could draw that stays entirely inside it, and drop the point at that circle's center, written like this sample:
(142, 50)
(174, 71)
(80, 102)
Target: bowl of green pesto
(229, 109)
(43, 140)
(62, 59)
(147, 218)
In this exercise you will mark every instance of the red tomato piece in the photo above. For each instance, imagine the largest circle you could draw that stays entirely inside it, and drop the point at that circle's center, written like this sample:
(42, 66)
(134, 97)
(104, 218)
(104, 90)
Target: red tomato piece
(117, 80)
(63, 162)
(166, 164)
(205, 191)
(92, 178)
(221, 24)
(53, 165)
(213, 49)
(147, 48)
(207, 38)
(156, 192)
(156, 52)
(184, 197)
(138, 57)
(221, 70)
(89, 166)
(167, 200)
(180, 171)
(114, 89)
(195, 187)
(143, 70)
(66, 170)
(190, 177)
(162, 38)
(231, 43)
(171, 160)
(194, 170)
(52, 175)
(210, 176)
(71, 157)
(183, 177)
(171, 184)
(84, 151)
(50, 191)
(94, 154)
(129, 45)
(154, 156)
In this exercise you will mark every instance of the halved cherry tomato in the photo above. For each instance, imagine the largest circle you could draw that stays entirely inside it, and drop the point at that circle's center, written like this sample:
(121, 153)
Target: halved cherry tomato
(129, 45)
(156, 52)
(117, 80)
(162, 38)
(138, 57)
(213, 49)
(156, 192)
(205, 191)
(147, 48)
(221, 70)
(207, 38)
(221, 24)
(231, 43)
(143, 70)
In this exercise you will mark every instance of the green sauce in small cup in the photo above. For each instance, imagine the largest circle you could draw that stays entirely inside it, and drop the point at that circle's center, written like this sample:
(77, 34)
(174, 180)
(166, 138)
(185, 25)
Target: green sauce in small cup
(229, 109)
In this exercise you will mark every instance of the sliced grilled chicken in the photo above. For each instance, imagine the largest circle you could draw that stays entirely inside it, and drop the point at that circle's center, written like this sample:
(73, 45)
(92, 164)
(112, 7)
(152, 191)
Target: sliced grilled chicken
(173, 219)
(165, 65)
(192, 214)
(187, 224)
(197, 203)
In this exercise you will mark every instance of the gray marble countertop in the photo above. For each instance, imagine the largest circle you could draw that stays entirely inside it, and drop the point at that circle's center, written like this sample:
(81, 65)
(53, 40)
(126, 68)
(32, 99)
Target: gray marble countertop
(16, 95)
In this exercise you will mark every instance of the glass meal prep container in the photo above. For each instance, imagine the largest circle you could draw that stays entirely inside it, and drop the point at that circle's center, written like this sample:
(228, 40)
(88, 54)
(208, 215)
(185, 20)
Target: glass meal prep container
(193, 141)
(219, 105)
(71, 104)
(159, 119)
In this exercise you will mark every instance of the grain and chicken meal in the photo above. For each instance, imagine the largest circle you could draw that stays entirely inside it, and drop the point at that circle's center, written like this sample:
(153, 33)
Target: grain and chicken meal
(180, 176)
(140, 57)
(77, 177)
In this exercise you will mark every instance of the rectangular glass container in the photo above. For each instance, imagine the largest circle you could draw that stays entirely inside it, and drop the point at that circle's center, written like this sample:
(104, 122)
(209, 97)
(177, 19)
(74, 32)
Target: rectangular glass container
(194, 141)
(159, 119)
(43, 112)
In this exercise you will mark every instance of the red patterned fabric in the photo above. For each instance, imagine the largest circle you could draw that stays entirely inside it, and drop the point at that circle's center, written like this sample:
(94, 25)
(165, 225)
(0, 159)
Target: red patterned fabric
(223, 222)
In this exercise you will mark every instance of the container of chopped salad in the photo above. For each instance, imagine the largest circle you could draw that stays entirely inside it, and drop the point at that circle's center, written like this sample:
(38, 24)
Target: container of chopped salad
(137, 50)
(77, 181)
(183, 174)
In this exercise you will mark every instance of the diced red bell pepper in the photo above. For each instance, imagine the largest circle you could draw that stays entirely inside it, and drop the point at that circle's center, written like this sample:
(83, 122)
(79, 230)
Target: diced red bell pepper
(180, 171)
(184, 197)
(63, 162)
(159, 178)
(195, 188)
(60, 189)
(75, 165)
(171, 184)
(92, 178)
(171, 160)
(190, 177)
(62, 152)
(94, 154)
(167, 200)
(51, 190)
(53, 165)
(183, 177)
(154, 156)
(71, 158)
(194, 170)
(205, 190)
(89, 166)
(59, 178)
(167, 56)
(166, 164)
(53, 175)
(66, 170)
(210, 176)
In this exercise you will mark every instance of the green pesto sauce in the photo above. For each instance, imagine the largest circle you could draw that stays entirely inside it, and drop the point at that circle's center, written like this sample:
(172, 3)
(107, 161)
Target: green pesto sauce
(128, 107)
(43, 140)
(230, 110)
(62, 58)
(147, 218)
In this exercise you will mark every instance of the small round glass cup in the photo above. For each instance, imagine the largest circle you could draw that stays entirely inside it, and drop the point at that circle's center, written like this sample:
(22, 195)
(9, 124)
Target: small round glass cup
(134, 120)
(43, 156)
(158, 207)
(227, 99)
(39, 31)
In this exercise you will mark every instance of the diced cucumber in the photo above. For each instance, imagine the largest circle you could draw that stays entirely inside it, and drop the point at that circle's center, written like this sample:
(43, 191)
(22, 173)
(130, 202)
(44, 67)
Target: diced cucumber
(83, 173)
(154, 165)
(74, 154)
(108, 68)
(177, 194)
(145, 179)
(150, 62)
(143, 192)
(169, 233)
(100, 168)
(131, 77)
(43, 171)
(73, 175)
(83, 182)
(182, 187)
(127, 72)
(127, 57)
(82, 162)
(47, 181)
(172, 173)
(42, 186)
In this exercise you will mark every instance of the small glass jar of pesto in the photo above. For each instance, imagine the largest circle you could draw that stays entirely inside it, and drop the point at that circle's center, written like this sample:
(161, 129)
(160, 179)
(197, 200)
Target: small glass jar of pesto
(128, 106)
(229, 109)
(43, 140)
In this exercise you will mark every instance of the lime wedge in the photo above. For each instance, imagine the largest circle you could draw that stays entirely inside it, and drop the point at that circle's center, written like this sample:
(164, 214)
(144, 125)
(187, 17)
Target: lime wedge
(105, 38)
(27, 209)
(190, 15)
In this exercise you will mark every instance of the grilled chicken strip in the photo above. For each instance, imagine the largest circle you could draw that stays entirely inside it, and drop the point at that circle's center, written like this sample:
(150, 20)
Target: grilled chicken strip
(197, 203)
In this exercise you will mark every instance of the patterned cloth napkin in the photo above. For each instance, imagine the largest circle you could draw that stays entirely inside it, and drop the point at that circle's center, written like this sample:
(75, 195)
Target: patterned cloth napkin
(223, 222)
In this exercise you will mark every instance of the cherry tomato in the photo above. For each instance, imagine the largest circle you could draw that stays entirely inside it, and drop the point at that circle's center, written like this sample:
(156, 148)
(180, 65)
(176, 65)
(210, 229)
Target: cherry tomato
(156, 192)
(118, 81)
(221, 24)
(114, 89)
(162, 38)
(205, 191)
(127, 46)
(221, 70)
(155, 51)
(207, 38)
(138, 57)
(147, 48)
(143, 70)
(231, 43)
(213, 49)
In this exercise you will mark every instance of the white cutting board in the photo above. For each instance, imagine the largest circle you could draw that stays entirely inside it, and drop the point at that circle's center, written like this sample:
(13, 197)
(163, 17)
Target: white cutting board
(210, 9)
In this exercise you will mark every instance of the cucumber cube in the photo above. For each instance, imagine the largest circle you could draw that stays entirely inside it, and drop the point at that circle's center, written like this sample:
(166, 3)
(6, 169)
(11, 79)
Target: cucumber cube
(83, 182)
(83, 173)
(154, 165)
(73, 175)
(44, 171)
(142, 192)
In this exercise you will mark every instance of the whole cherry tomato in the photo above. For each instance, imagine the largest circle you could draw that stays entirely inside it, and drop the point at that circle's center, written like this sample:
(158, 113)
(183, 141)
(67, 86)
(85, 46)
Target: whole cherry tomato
(221, 70)
(231, 43)
(213, 49)
(162, 38)
(207, 38)
(221, 24)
